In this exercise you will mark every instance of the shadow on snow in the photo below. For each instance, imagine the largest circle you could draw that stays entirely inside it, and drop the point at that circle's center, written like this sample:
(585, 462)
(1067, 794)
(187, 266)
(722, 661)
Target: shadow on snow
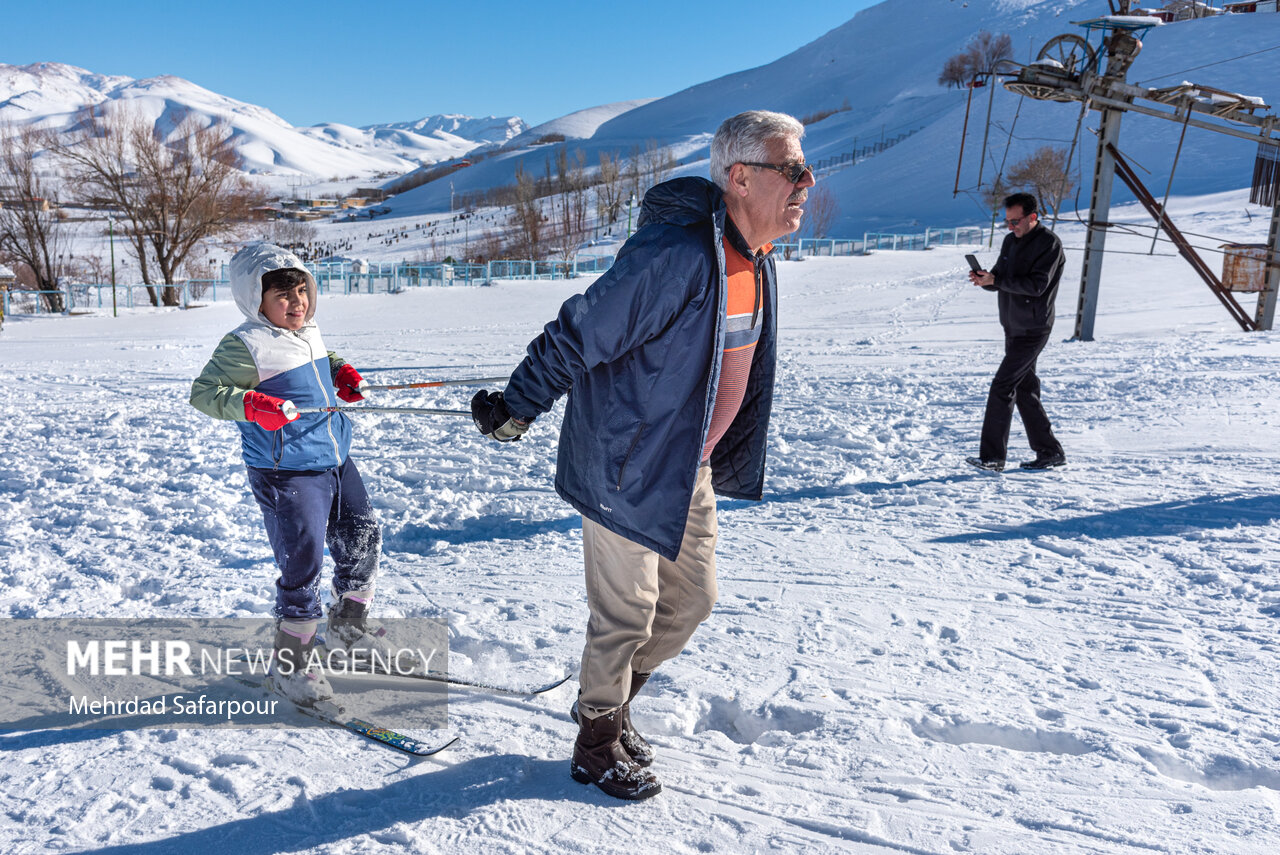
(454, 792)
(1163, 519)
(415, 538)
(839, 491)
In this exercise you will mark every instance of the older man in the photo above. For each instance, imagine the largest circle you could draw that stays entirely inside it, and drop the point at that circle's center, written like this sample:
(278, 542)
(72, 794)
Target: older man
(668, 360)
(1026, 277)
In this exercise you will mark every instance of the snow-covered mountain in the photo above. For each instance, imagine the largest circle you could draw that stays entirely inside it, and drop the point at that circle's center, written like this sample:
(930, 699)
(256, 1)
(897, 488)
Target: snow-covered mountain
(880, 88)
(860, 70)
(49, 95)
(490, 129)
(578, 125)
(38, 92)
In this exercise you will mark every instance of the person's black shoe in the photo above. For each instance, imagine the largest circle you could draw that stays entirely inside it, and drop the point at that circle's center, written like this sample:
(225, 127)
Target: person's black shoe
(991, 465)
(1046, 461)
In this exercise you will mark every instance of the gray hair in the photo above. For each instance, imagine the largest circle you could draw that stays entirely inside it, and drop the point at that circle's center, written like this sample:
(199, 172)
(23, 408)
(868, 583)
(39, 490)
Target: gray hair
(746, 136)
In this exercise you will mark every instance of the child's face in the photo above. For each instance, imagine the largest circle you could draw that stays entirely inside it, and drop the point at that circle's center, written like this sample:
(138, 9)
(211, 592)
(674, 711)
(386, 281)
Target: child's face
(287, 308)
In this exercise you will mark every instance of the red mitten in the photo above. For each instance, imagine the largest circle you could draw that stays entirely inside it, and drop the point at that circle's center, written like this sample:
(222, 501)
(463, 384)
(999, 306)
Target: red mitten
(267, 412)
(351, 386)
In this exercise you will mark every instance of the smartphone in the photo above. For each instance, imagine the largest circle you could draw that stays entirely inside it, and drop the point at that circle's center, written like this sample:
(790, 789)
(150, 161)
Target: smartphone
(973, 263)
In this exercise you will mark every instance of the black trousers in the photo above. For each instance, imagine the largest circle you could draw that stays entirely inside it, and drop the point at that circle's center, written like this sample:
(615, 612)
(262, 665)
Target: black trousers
(1016, 384)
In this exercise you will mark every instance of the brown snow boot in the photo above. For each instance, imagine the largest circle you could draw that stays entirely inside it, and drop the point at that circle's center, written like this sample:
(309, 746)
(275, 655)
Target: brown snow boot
(635, 744)
(600, 759)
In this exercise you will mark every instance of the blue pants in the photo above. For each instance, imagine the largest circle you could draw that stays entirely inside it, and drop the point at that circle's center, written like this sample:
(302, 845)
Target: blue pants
(305, 510)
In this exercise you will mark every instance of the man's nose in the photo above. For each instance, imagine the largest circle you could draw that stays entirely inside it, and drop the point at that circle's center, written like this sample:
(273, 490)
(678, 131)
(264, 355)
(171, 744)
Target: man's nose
(808, 179)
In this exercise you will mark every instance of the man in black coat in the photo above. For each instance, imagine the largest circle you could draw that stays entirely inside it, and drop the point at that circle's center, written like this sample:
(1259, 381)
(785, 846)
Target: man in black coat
(1026, 277)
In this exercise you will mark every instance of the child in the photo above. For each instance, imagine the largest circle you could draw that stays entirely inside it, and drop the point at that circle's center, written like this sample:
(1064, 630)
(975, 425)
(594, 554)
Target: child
(299, 469)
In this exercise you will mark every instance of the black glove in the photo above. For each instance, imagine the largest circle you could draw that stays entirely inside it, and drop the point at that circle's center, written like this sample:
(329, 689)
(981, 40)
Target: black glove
(494, 419)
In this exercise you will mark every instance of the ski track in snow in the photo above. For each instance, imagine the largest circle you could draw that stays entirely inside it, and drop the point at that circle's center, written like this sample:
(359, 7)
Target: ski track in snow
(907, 656)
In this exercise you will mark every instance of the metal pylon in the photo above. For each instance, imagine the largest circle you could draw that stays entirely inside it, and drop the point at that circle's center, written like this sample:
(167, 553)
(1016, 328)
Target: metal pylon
(1104, 173)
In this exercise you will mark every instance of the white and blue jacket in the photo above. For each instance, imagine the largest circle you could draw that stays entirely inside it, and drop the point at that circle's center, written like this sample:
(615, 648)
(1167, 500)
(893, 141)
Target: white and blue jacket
(286, 364)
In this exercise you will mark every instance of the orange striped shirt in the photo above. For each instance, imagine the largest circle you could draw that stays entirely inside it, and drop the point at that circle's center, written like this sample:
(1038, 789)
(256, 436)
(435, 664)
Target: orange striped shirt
(744, 318)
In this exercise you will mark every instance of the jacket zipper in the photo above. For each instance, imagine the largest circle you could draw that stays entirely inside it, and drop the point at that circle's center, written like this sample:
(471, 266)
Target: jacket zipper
(630, 450)
(324, 390)
(755, 311)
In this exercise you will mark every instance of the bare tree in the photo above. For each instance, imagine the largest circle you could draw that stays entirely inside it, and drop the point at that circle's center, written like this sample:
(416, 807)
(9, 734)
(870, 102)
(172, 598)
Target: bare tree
(984, 54)
(173, 192)
(488, 246)
(821, 211)
(986, 50)
(995, 193)
(291, 234)
(657, 163)
(526, 216)
(633, 175)
(955, 71)
(1047, 173)
(609, 189)
(571, 187)
(91, 268)
(31, 232)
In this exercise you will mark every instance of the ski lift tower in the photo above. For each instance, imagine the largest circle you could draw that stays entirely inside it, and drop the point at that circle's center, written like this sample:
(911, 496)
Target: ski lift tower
(1069, 69)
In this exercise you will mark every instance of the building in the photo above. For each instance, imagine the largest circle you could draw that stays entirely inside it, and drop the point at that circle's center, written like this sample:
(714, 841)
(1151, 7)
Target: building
(1251, 6)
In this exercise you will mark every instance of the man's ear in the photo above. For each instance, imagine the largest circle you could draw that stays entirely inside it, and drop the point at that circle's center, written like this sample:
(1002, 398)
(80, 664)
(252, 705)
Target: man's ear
(739, 180)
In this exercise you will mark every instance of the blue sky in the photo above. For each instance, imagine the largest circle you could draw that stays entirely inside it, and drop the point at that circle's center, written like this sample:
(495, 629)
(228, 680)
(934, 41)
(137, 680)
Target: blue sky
(366, 62)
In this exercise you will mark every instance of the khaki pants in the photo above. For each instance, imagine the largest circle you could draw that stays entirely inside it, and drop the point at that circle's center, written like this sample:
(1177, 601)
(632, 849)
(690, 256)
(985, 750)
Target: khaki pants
(644, 608)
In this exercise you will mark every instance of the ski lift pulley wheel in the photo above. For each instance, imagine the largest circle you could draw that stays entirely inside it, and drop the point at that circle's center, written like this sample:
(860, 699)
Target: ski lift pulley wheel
(1071, 51)
(1041, 92)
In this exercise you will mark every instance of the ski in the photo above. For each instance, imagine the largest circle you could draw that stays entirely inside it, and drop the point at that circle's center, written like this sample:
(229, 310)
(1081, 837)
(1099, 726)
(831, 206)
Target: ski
(333, 714)
(478, 685)
(382, 735)
(355, 668)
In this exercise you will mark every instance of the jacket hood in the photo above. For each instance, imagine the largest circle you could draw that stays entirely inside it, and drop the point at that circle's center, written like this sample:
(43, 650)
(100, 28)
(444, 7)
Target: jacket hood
(680, 202)
(247, 268)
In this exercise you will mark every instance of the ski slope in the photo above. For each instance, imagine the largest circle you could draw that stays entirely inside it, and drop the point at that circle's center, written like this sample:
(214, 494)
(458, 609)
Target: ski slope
(881, 88)
(907, 655)
(858, 69)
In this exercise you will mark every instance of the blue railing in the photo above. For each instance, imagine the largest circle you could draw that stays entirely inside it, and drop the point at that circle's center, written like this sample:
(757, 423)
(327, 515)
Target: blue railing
(370, 278)
(21, 301)
(525, 269)
(929, 238)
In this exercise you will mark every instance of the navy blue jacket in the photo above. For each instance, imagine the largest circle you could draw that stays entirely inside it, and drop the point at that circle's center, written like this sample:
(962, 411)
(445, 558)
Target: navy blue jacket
(639, 354)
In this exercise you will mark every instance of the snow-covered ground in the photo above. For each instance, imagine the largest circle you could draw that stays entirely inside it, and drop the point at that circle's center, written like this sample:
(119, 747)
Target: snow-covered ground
(907, 655)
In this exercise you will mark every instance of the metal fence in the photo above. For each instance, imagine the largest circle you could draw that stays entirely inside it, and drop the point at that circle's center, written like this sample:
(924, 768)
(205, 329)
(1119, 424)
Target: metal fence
(24, 302)
(509, 269)
(371, 278)
(929, 238)
(849, 158)
(87, 297)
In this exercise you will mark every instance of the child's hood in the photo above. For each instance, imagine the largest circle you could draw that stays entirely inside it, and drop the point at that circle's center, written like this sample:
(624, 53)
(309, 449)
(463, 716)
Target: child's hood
(247, 268)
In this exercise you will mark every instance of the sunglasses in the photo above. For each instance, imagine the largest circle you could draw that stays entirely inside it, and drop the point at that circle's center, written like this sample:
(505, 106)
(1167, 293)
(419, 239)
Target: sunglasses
(1014, 222)
(793, 172)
